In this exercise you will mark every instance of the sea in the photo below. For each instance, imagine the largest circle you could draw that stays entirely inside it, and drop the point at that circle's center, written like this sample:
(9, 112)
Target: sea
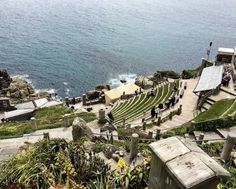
(70, 46)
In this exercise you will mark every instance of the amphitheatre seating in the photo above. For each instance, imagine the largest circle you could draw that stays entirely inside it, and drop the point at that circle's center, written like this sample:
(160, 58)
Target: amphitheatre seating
(139, 105)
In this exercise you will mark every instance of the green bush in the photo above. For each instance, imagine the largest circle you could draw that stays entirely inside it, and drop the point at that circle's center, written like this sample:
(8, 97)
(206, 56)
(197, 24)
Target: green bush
(49, 163)
(170, 74)
(188, 74)
(212, 125)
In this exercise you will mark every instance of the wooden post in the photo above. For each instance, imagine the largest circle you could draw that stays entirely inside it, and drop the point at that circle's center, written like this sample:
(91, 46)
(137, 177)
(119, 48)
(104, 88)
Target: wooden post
(124, 122)
(171, 115)
(158, 134)
(66, 120)
(101, 116)
(150, 133)
(227, 149)
(159, 121)
(84, 99)
(67, 101)
(46, 136)
(33, 124)
(200, 138)
(144, 125)
(180, 109)
(134, 146)
(191, 128)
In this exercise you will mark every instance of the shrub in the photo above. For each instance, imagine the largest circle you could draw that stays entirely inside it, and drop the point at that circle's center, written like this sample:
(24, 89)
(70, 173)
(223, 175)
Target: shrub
(188, 74)
(49, 163)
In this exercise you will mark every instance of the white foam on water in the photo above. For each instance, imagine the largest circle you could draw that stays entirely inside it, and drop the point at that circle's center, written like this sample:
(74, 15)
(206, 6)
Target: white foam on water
(67, 92)
(22, 76)
(48, 90)
(26, 78)
(65, 83)
(115, 82)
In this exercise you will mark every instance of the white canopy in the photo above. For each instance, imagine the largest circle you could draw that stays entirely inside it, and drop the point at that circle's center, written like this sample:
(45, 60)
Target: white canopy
(210, 79)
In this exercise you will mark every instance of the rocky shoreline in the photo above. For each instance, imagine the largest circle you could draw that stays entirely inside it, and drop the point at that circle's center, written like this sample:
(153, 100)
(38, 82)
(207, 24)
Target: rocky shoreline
(18, 90)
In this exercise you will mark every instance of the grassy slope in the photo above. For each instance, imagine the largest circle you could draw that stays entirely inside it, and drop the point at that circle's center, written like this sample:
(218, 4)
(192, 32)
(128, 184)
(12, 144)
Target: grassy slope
(215, 111)
(47, 118)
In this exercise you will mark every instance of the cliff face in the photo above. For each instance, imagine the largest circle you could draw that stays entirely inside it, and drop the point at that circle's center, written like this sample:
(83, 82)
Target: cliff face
(18, 90)
(5, 79)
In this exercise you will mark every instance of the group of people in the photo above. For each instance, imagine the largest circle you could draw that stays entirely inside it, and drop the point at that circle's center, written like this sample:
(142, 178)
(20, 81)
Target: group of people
(226, 78)
(171, 102)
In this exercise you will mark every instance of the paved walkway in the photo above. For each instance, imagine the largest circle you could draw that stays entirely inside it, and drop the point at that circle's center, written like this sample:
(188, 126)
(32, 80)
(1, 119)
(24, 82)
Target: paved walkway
(188, 103)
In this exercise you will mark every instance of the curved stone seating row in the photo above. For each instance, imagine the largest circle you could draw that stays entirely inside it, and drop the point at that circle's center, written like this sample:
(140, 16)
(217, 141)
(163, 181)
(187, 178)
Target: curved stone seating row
(127, 104)
(134, 105)
(139, 107)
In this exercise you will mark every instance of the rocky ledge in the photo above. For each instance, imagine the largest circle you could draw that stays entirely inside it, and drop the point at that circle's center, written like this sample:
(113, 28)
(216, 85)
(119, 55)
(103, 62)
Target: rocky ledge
(18, 90)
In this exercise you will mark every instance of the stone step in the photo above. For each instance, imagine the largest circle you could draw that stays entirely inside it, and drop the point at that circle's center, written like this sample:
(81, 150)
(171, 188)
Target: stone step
(224, 89)
(225, 131)
(211, 100)
(204, 108)
(207, 106)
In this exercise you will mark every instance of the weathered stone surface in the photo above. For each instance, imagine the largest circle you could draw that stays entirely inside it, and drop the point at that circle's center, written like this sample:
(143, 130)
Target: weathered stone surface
(79, 129)
(110, 149)
(143, 82)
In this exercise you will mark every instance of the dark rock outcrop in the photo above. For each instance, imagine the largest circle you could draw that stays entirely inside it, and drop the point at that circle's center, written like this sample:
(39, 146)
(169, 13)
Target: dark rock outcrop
(5, 79)
(18, 90)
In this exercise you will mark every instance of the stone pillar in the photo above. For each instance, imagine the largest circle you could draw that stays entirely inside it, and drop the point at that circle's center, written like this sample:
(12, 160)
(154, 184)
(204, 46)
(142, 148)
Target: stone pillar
(227, 149)
(124, 122)
(171, 115)
(67, 101)
(159, 121)
(46, 136)
(134, 146)
(200, 138)
(144, 125)
(150, 133)
(158, 134)
(180, 109)
(191, 128)
(84, 99)
(33, 124)
(66, 120)
(101, 116)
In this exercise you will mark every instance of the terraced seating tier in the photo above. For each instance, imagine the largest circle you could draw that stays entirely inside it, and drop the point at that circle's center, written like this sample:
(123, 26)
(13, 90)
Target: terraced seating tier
(133, 111)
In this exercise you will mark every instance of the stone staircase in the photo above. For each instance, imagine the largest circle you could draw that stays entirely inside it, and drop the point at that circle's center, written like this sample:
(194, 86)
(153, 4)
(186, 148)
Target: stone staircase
(207, 104)
(213, 136)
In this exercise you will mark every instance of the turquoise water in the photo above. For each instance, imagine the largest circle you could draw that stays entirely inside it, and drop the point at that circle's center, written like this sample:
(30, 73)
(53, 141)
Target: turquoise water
(72, 45)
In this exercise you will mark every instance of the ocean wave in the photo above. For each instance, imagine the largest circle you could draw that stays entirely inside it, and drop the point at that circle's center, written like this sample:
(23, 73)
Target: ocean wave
(116, 82)
(49, 90)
